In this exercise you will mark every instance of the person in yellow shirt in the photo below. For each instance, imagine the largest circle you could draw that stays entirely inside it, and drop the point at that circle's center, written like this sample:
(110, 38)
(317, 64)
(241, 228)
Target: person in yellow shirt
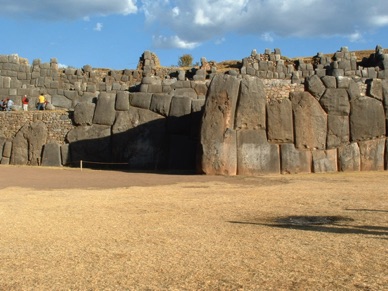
(41, 102)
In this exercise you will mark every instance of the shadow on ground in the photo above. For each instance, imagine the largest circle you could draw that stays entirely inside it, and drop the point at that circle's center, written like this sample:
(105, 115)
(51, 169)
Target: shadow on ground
(327, 224)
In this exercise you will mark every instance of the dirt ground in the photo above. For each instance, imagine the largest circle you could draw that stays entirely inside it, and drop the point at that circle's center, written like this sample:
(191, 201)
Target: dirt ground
(66, 229)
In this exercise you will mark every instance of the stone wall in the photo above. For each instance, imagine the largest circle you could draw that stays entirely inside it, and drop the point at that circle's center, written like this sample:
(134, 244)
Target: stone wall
(329, 127)
(271, 116)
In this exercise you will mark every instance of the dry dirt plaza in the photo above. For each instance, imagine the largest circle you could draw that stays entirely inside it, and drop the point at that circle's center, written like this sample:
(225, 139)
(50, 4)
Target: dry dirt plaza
(66, 229)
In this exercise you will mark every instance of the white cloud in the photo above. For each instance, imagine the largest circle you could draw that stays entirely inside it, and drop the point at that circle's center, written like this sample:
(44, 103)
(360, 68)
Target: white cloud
(98, 26)
(220, 40)
(172, 42)
(266, 36)
(203, 20)
(70, 9)
(355, 36)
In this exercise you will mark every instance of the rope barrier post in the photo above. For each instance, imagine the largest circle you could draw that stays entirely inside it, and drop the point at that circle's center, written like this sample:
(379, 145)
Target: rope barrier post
(80, 165)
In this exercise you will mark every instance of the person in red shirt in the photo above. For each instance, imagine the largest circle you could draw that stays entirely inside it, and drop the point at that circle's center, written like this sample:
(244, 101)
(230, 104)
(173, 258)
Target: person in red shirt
(25, 103)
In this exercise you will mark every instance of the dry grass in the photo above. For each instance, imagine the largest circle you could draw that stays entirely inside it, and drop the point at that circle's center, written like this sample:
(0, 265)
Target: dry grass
(193, 232)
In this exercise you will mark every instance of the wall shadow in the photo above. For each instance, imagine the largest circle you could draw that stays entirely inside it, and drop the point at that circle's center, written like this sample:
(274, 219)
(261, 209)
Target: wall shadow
(167, 145)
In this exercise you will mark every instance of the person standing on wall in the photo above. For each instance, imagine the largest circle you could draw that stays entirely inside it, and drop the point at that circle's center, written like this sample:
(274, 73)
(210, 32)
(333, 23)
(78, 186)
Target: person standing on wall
(9, 104)
(25, 103)
(41, 102)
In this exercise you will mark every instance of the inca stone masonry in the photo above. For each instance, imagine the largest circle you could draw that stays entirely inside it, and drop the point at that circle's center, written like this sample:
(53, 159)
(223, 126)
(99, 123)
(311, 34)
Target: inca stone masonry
(269, 114)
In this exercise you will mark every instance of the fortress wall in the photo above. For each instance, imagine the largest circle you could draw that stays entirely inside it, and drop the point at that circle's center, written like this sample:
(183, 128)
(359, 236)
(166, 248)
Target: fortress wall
(330, 115)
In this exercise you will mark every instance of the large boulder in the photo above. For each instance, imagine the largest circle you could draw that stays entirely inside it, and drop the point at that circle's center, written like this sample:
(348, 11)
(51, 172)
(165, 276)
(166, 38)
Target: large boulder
(310, 121)
(139, 139)
(372, 154)
(349, 158)
(325, 161)
(83, 113)
(141, 100)
(250, 112)
(105, 109)
(337, 131)
(218, 150)
(160, 103)
(336, 102)
(376, 89)
(90, 143)
(52, 155)
(28, 144)
(315, 86)
(255, 155)
(122, 101)
(294, 161)
(280, 127)
(367, 119)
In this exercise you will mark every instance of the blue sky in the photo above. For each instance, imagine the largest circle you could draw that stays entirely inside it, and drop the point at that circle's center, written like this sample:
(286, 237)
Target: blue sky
(114, 33)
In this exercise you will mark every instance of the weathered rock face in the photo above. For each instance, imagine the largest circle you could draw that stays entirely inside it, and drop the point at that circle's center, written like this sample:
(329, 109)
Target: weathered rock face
(310, 122)
(105, 110)
(250, 111)
(324, 161)
(294, 161)
(218, 137)
(90, 143)
(83, 113)
(138, 138)
(349, 158)
(367, 119)
(372, 155)
(337, 131)
(28, 144)
(336, 102)
(280, 122)
(315, 86)
(255, 155)
(52, 155)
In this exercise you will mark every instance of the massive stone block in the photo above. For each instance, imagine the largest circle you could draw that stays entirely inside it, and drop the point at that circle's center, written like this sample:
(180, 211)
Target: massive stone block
(83, 113)
(310, 121)
(315, 86)
(251, 113)
(160, 103)
(367, 119)
(90, 143)
(255, 155)
(376, 89)
(122, 101)
(51, 155)
(294, 161)
(336, 102)
(349, 158)
(140, 100)
(105, 112)
(28, 143)
(337, 131)
(218, 138)
(353, 90)
(184, 92)
(139, 138)
(372, 154)
(280, 127)
(329, 81)
(325, 161)
(60, 101)
(7, 150)
(65, 154)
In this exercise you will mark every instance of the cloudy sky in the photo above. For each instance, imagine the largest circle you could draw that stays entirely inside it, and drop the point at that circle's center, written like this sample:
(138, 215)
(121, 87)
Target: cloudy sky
(113, 34)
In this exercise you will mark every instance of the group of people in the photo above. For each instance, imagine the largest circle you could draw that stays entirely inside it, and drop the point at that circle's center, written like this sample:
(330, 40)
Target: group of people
(7, 104)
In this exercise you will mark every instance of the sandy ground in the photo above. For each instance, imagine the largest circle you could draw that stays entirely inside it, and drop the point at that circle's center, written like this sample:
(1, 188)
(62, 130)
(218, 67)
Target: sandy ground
(63, 229)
